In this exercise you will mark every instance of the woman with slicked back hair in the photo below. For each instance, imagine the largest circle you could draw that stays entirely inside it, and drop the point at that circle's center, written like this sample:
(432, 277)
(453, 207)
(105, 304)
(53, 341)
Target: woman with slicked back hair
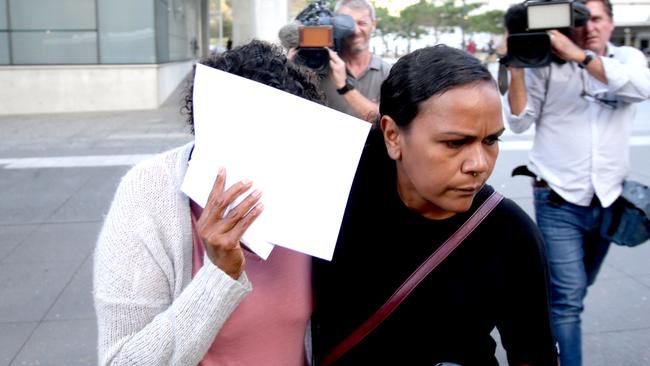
(423, 173)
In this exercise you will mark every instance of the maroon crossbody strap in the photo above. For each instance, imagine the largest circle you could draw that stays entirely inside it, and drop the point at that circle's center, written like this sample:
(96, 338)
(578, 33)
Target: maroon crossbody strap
(414, 279)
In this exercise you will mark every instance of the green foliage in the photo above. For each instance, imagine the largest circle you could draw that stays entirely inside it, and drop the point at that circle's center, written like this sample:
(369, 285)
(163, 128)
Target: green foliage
(386, 23)
(412, 20)
(489, 22)
(436, 17)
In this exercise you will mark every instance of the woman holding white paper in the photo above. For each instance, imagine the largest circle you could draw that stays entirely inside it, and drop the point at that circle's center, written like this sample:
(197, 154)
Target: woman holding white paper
(423, 173)
(172, 283)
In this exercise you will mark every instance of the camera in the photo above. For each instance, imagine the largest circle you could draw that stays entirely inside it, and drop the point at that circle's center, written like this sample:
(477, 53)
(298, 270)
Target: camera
(528, 43)
(320, 29)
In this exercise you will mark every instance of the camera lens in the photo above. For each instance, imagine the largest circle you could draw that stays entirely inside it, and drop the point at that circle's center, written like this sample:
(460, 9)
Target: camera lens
(315, 58)
(529, 49)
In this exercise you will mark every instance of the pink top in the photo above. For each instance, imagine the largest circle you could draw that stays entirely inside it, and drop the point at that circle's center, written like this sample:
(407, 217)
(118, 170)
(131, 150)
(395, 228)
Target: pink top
(268, 327)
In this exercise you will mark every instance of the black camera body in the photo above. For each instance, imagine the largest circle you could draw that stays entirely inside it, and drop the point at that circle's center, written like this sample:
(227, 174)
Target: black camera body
(321, 29)
(528, 43)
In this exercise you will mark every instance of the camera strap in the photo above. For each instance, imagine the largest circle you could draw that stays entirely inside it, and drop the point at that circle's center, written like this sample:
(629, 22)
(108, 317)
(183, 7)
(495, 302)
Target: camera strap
(547, 85)
(502, 76)
(414, 279)
(502, 81)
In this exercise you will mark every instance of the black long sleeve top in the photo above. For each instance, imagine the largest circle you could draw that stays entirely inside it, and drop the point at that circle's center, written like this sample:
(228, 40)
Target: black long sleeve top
(497, 277)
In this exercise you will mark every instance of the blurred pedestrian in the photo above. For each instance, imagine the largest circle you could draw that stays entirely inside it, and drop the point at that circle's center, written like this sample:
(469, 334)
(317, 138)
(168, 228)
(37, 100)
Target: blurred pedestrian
(471, 46)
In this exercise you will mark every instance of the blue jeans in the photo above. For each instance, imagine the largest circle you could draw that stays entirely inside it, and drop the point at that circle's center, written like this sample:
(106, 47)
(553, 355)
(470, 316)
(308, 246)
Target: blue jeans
(575, 253)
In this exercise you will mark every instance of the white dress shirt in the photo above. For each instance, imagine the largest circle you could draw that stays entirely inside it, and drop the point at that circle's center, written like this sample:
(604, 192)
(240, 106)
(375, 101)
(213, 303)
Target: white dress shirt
(581, 145)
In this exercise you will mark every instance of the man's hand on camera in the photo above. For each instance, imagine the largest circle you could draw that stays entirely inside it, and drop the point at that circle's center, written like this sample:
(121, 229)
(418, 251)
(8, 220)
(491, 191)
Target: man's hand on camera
(565, 48)
(338, 72)
(517, 94)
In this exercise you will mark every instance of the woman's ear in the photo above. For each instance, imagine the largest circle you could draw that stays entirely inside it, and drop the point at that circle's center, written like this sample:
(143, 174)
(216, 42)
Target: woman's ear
(392, 137)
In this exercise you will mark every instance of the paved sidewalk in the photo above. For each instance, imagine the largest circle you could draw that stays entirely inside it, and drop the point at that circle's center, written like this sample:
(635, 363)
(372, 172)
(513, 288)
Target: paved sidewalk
(50, 219)
(616, 321)
(53, 207)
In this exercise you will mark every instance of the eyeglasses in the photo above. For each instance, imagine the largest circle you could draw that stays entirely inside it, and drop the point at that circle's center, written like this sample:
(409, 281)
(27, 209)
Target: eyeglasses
(602, 101)
(607, 103)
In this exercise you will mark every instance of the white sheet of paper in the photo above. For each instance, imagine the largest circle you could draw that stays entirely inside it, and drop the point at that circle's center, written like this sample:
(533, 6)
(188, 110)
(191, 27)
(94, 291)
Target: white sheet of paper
(300, 154)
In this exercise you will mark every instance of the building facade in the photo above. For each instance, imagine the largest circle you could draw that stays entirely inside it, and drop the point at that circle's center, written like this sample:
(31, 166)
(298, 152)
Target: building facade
(633, 34)
(102, 55)
(93, 55)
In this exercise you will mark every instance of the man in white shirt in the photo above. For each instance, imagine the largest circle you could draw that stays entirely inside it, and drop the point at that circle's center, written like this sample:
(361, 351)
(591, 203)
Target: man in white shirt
(582, 111)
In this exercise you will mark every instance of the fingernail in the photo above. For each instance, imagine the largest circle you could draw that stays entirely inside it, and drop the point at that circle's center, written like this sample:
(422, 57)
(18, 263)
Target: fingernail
(221, 170)
(256, 193)
(246, 182)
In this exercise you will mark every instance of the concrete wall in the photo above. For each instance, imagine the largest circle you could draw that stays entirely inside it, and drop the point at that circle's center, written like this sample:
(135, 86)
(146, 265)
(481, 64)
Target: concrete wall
(80, 88)
(69, 88)
(169, 77)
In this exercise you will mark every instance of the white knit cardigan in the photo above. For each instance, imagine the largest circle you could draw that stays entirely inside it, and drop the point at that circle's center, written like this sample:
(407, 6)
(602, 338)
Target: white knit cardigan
(149, 309)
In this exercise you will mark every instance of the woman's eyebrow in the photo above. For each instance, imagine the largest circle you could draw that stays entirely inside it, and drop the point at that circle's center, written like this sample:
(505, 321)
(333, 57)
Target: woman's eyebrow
(498, 133)
(468, 135)
(458, 134)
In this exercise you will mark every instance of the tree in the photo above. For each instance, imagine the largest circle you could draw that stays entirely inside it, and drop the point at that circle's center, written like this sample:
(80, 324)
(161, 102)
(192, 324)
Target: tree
(426, 17)
(412, 20)
(441, 19)
(459, 16)
(386, 25)
(489, 22)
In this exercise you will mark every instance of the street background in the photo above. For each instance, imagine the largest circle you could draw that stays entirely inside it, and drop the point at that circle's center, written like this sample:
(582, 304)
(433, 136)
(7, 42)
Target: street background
(58, 174)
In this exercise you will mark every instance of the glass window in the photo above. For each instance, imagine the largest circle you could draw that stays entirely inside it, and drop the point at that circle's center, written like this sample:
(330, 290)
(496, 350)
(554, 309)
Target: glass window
(179, 44)
(179, 48)
(162, 31)
(4, 48)
(29, 48)
(172, 41)
(3, 15)
(52, 14)
(126, 31)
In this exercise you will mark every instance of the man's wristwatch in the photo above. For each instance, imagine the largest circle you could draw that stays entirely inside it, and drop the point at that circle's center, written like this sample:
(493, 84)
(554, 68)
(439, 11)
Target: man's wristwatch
(350, 83)
(589, 56)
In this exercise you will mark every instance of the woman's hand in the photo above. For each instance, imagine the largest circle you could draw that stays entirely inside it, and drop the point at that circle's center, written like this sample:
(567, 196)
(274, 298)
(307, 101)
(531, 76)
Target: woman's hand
(222, 235)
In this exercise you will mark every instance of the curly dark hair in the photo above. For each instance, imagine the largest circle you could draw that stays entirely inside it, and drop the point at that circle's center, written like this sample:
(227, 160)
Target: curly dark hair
(262, 62)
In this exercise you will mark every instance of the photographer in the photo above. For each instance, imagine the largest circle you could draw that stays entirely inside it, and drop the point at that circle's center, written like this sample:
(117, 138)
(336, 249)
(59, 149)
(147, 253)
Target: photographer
(350, 74)
(356, 73)
(583, 109)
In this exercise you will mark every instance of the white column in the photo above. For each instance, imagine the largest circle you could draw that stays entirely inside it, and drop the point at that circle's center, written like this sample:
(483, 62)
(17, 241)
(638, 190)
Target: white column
(204, 28)
(259, 19)
(628, 36)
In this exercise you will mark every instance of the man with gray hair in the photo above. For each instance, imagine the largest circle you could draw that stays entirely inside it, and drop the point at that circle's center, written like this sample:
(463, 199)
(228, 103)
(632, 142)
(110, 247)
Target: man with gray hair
(356, 74)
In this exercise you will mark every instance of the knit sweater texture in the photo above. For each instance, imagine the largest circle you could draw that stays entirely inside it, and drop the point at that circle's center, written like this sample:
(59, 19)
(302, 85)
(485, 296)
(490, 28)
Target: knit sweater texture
(150, 311)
